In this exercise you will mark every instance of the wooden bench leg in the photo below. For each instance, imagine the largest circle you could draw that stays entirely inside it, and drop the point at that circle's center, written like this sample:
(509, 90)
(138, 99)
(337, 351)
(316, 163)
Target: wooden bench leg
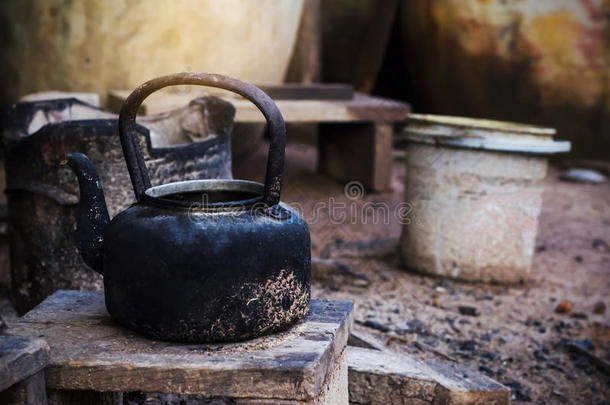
(68, 397)
(30, 391)
(357, 152)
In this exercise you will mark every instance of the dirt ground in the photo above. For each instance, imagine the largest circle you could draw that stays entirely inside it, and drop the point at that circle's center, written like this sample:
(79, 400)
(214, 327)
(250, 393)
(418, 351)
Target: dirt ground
(516, 336)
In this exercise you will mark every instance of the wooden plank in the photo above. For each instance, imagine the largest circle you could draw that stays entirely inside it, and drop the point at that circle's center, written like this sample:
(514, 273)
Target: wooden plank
(92, 99)
(20, 358)
(357, 152)
(365, 341)
(333, 392)
(305, 62)
(295, 91)
(90, 352)
(392, 378)
(362, 108)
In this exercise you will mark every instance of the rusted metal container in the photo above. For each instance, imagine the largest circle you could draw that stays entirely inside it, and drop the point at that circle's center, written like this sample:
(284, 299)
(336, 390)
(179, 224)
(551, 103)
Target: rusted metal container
(192, 142)
(473, 190)
(540, 61)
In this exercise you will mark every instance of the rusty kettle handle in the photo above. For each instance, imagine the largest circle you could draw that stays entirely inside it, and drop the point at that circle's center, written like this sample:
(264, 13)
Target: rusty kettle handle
(275, 124)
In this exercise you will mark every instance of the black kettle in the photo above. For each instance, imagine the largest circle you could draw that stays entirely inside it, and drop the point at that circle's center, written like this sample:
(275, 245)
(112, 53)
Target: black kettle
(198, 260)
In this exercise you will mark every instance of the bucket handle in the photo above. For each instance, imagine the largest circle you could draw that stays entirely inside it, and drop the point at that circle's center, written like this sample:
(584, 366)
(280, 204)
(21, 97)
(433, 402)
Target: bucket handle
(275, 127)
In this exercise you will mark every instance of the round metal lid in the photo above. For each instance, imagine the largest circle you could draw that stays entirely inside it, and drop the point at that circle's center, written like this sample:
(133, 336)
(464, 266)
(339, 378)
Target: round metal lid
(483, 134)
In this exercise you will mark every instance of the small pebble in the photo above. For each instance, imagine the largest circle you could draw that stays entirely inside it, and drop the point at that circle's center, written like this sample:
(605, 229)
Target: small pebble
(468, 345)
(564, 307)
(486, 370)
(599, 308)
(519, 393)
(583, 176)
(539, 354)
(468, 310)
(413, 326)
(376, 325)
(600, 245)
(488, 355)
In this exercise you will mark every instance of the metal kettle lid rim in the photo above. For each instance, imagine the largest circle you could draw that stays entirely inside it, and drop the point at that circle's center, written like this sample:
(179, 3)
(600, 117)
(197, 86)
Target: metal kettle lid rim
(159, 194)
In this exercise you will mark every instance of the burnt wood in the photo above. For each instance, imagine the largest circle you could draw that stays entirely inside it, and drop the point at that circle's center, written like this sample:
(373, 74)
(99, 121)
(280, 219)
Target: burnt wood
(42, 195)
(89, 351)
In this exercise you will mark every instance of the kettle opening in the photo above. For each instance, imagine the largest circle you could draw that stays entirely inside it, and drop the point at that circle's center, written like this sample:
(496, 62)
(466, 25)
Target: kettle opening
(207, 193)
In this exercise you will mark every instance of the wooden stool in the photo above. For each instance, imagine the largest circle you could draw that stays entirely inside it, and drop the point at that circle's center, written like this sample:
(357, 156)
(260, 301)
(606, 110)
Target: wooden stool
(93, 360)
(355, 130)
(22, 361)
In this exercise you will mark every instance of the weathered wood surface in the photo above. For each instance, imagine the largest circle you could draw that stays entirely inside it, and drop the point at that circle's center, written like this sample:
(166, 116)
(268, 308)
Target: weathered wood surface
(364, 341)
(357, 152)
(333, 392)
(67, 397)
(297, 91)
(89, 351)
(31, 391)
(361, 108)
(383, 378)
(20, 358)
(89, 98)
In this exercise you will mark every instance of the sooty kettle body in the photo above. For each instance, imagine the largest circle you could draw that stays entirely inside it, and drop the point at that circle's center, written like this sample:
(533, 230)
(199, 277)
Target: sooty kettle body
(198, 260)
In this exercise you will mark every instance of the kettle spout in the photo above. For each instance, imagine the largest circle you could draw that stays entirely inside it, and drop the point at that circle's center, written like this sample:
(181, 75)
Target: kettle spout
(92, 215)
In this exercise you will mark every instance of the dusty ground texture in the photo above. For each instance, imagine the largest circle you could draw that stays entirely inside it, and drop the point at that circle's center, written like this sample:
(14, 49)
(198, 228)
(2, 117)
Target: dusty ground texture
(515, 335)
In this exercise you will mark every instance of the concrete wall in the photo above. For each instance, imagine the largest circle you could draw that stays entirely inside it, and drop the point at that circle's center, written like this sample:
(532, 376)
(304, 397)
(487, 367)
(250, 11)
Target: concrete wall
(97, 45)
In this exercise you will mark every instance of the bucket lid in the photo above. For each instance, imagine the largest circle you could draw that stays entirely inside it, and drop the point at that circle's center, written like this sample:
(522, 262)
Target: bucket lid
(485, 134)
